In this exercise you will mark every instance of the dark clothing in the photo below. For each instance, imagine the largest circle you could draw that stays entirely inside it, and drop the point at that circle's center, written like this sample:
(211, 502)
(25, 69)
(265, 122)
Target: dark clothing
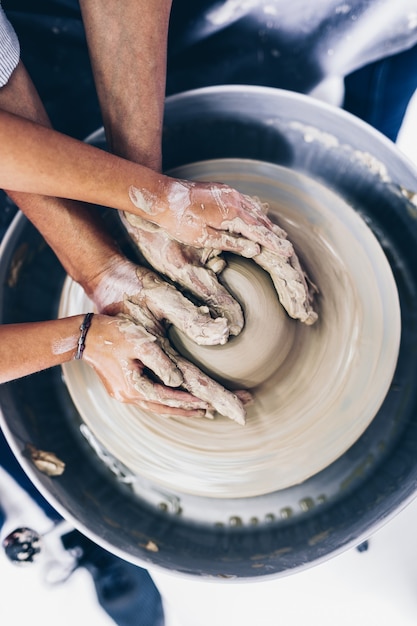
(272, 43)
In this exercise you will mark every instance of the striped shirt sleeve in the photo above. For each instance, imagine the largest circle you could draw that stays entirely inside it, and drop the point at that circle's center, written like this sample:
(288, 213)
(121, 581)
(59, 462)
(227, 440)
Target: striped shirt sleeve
(9, 49)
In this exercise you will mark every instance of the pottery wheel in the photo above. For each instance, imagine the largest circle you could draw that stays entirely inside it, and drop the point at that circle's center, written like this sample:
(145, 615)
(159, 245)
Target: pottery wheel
(316, 388)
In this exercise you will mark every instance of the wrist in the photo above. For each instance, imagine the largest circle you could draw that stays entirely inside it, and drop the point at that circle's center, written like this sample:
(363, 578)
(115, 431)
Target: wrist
(175, 198)
(111, 285)
(84, 328)
(151, 198)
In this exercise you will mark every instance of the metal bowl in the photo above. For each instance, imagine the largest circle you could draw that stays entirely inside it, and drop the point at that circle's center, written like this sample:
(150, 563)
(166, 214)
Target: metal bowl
(336, 508)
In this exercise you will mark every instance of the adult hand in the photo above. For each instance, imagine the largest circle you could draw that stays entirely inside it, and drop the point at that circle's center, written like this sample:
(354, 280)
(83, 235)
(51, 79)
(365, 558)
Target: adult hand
(145, 304)
(122, 285)
(195, 268)
(119, 350)
(122, 350)
(210, 215)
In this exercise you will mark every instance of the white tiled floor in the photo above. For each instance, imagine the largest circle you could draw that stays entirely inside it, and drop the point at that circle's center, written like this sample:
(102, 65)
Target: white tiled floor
(375, 588)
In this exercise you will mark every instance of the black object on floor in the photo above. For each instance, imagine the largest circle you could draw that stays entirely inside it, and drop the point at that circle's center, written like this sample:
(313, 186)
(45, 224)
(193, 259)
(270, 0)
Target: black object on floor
(126, 592)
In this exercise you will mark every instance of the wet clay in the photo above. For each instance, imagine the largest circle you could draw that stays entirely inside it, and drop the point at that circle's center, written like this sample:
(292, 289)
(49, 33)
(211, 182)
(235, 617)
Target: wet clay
(265, 341)
(192, 269)
(185, 265)
(312, 399)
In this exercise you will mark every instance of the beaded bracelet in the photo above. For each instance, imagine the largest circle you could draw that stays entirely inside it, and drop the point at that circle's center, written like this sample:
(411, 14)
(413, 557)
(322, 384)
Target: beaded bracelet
(84, 330)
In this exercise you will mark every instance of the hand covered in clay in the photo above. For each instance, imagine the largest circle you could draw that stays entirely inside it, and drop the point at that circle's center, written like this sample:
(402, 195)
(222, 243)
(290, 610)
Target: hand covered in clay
(210, 215)
(119, 350)
(123, 284)
(141, 304)
(194, 268)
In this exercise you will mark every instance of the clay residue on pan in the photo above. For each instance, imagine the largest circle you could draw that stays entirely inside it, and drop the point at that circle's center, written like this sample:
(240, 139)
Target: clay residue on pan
(312, 134)
(46, 462)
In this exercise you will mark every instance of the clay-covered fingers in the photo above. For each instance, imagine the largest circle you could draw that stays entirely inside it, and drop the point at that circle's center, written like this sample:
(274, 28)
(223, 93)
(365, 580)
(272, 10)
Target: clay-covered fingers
(226, 241)
(199, 395)
(253, 225)
(294, 289)
(230, 221)
(165, 302)
(245, 229)
(203, 284)
(221, 400)
(122, 342)
(125, 281)
(135, 368)
(277, 256)
(193, 269)
(162, 400)
(138, 365)
(146, 350)
(197, 386)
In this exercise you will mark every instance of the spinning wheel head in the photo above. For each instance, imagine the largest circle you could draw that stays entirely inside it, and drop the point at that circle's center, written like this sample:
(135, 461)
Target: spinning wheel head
(316, 388)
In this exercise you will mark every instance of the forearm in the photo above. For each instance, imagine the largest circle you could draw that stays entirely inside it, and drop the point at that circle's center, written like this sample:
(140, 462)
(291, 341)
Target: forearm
(128, 45)
(76, 235)
(36, 159)
(73, 231)
(32, 347)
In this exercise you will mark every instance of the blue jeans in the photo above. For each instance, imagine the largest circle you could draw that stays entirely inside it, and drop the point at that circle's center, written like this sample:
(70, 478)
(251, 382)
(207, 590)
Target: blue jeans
(10, 464)
(380, 92)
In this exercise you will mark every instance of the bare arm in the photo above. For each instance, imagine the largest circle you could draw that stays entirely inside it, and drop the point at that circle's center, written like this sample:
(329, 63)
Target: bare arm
(130, 71)
(91, 258)
(116, 348)
(129, 68)
(60, 221)
(51, 343)
(40, 160)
